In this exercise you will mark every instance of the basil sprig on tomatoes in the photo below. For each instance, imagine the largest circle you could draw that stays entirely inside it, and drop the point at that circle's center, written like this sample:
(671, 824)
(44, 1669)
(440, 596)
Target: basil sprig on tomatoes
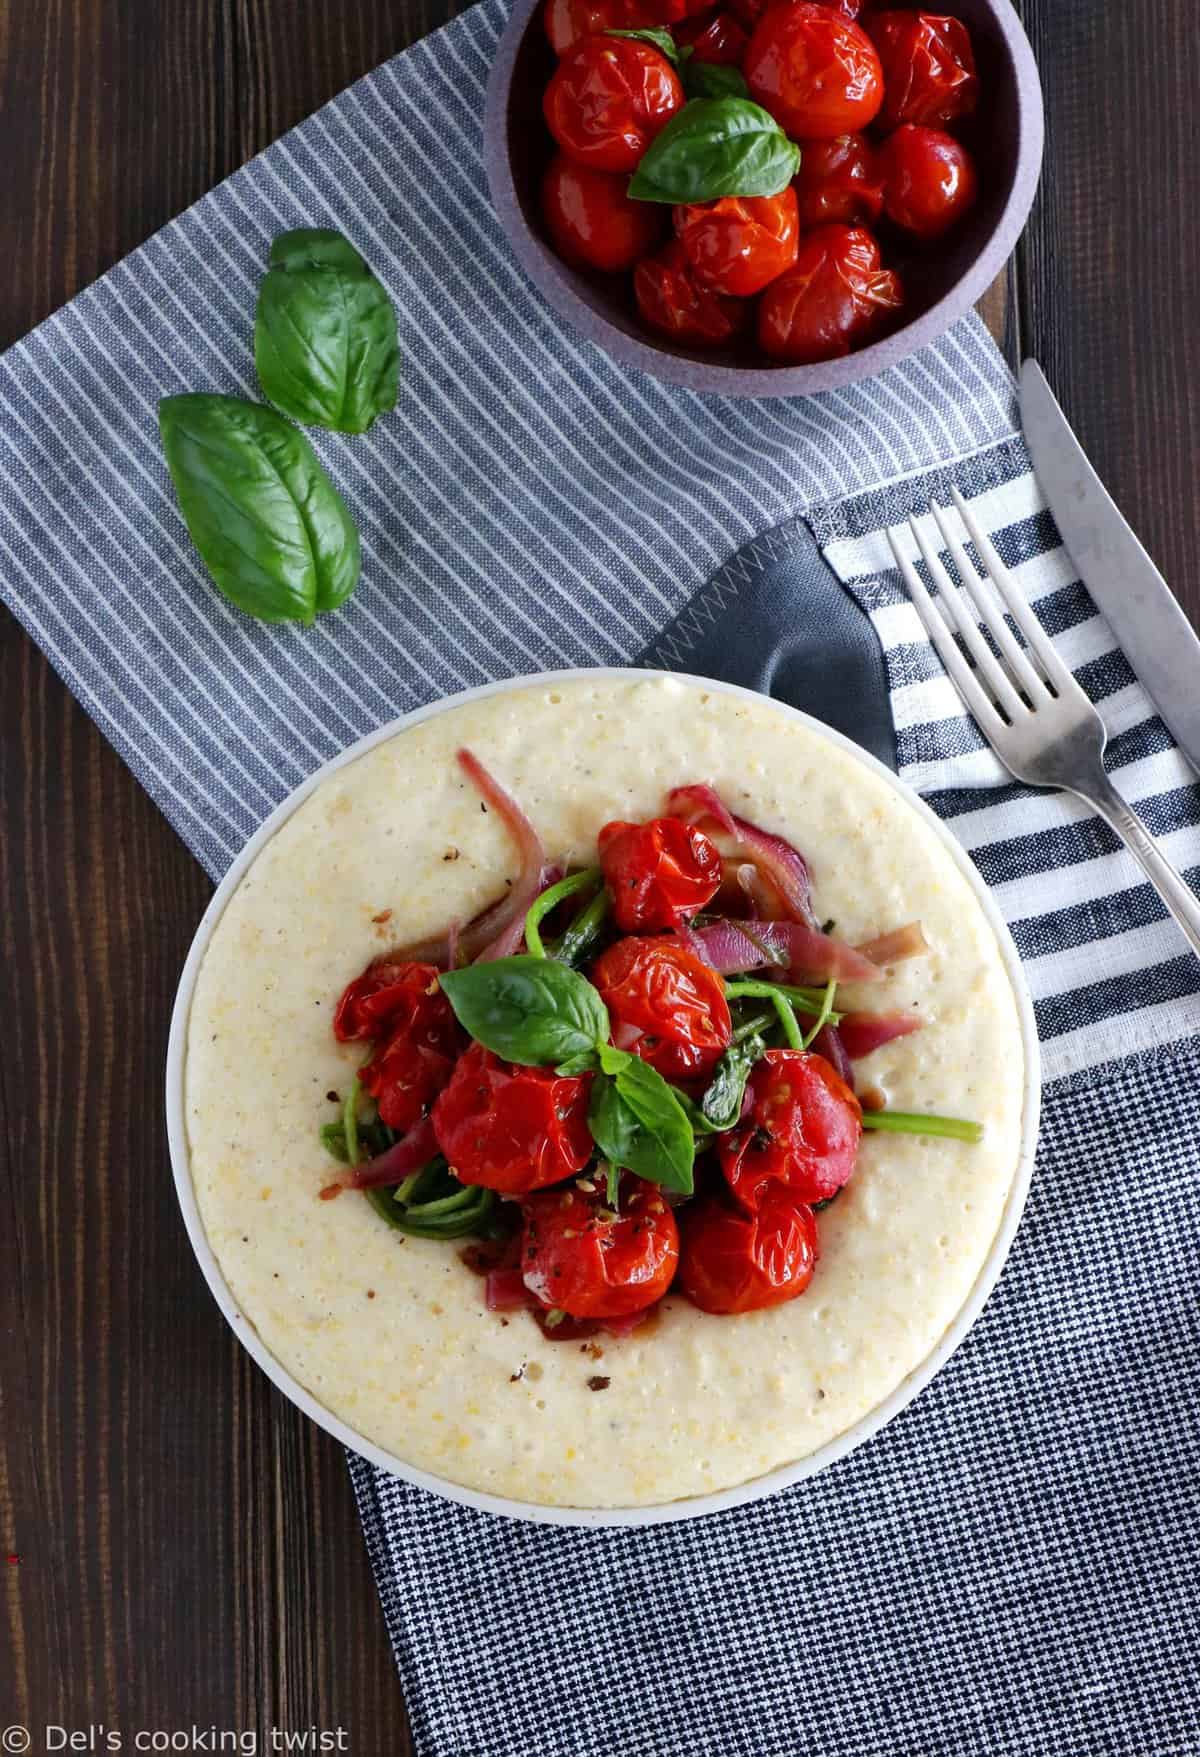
(638, 1122)
(540, 1013)
(659, 38)
(325, 342)
(714, 147)
(271, 528)
(529, 1010)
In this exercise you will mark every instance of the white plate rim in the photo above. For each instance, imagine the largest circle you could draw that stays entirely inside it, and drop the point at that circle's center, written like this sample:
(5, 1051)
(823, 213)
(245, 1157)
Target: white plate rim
(693, 1507)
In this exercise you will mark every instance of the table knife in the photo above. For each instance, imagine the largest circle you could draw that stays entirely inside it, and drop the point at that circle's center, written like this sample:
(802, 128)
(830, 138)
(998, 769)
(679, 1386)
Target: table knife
(1126, 587)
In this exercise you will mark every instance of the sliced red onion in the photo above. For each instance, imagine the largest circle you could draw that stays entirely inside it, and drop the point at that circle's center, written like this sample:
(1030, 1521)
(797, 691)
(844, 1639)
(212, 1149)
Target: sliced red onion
(511, 910)
(700, 801)
(808, 954)
(688, 936)
(902, 942)
(505, 1291)
(828, 1042)
(863, 1032)
(415, 1150)
(453, 935)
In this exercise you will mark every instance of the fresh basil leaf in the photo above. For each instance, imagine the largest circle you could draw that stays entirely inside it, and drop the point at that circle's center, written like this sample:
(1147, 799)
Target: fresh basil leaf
(657, 37)
(325, 340)
(721, 1105)
(714, 147)
(271, 528)
(708, 79)
(587, 1063)
(639, 1124)
(529, 1010)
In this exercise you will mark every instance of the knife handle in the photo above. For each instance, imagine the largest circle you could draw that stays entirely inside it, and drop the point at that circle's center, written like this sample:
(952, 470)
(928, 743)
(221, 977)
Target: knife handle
(1174, 890)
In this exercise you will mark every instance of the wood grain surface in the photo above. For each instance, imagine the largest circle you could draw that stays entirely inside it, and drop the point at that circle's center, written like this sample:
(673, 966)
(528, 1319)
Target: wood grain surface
(178, 1546)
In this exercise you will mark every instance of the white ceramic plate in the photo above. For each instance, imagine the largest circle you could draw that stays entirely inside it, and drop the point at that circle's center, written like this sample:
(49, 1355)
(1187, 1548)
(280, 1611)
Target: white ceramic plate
(694, 1507)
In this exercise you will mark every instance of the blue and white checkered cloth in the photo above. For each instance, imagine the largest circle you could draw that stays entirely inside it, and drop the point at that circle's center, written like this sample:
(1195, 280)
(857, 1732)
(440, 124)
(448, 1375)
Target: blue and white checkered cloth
(1009, 1568)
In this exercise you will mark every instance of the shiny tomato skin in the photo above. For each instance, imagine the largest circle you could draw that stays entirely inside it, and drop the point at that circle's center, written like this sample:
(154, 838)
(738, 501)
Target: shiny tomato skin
(733, 1262)
(510, 1128)
(580, 1257)
(832, 301)
(930, 181)
(741, 243)
(839, 182)
(389, 988)
(417, 1039)
(671, 300)
(567, 22)
(815, 71)
(658, 873)
(928, 68)
(750, 11)
(802, 1131)
(658, 987)
(592, 221)
(608, 98)
(719, 39)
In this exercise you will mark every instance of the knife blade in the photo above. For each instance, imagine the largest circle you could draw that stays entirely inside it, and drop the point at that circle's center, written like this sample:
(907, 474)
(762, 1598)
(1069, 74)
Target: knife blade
(1139, 606)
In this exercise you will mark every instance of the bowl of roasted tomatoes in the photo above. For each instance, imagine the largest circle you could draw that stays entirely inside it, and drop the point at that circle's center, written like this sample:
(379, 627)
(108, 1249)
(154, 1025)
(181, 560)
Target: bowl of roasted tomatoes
(763, 197)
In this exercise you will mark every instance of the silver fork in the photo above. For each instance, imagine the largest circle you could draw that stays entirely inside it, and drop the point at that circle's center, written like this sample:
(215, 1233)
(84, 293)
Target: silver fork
(1026, 702)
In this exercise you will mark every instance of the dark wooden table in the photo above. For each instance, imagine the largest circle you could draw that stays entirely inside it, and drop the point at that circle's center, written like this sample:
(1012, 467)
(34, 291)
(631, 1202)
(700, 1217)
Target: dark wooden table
(181, 1545)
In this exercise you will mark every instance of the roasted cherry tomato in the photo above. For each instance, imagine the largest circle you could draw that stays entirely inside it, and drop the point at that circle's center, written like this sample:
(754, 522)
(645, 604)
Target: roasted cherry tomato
(608, 99)
(591, 219)
(417, 1040)
(802, 1130)
(512, 1128)
(672, 301)
(719, 39)
(388, 989)
(739, 244)
(660, 989)
(750, 11)
(928, 68)
(929, 180)
(568, 21)
(735, 1262)
(659, 873)
(837, 294)
(581, 1257)
(839, 181)
(815, 71)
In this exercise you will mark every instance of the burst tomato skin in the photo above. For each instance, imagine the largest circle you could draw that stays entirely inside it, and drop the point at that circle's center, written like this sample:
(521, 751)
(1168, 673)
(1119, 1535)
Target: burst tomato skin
(719, 39)
(802, 1131)
(658, 987)
(733, 1262)
(817, 72)
(930, 181)
(928, 68)
(567, 22)
(591, 219)
(608, 98)
(832, 300)
(739, 244)
(388, 989)
(839, 182)
(659, 873)
(582, 1258)
(672, 301)
(512, 1129)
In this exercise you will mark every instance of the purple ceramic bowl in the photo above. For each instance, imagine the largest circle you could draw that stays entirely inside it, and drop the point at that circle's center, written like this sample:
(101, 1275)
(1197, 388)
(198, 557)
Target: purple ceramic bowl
(941, 283)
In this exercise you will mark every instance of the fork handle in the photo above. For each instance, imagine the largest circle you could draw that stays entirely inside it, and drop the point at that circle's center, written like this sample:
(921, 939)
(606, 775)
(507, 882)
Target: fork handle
(1175, 892)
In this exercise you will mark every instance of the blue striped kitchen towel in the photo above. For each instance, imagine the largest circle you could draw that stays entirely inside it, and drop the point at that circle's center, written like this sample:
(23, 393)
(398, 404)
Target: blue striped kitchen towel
(1008, 1567)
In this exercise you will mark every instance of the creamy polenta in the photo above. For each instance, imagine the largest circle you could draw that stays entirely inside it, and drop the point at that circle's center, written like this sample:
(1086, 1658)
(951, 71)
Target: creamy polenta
(390, 1332)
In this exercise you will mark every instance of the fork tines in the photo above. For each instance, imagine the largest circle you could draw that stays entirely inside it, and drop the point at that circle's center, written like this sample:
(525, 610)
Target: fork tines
(1005, 681)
